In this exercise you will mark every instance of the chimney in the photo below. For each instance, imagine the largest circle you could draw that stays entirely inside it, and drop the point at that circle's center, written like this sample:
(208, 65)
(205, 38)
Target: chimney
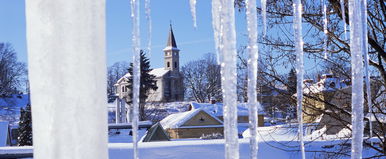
(213, 100)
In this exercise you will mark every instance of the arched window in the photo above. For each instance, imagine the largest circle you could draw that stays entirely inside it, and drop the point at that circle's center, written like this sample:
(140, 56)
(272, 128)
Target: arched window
(168, 64)
(175, 64)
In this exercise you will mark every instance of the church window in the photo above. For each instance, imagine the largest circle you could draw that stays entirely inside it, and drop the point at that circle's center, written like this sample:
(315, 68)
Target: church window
(168, 64)
(175, 64)
(123, 88)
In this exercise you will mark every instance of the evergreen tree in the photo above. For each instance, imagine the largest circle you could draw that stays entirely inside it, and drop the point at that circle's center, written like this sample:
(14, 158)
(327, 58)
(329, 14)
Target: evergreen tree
(292, 79)
(25, 127)
(147, 81)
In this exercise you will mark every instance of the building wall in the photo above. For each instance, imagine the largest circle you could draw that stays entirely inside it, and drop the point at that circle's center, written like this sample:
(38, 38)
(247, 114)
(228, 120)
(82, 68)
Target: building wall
(245, 119)
(182, 133)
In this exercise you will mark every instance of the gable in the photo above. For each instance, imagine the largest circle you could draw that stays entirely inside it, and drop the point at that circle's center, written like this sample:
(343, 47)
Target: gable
(156, 133)
(202, 118)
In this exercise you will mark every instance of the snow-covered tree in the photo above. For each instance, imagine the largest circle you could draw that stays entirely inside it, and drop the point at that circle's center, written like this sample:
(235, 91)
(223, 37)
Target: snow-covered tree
(25, 127)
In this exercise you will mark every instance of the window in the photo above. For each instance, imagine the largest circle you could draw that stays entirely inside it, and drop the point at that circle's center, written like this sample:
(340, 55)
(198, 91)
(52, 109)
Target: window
(175, 64)
(123, 89)
(168, 64)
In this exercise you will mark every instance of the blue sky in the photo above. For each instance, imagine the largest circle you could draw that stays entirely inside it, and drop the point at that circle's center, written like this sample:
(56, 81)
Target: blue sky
(193, 43)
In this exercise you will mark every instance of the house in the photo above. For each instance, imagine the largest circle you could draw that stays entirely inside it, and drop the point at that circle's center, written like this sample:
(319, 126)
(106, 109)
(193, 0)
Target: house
(216, 109)
(192, 124)
(156, 133)
(169, 79)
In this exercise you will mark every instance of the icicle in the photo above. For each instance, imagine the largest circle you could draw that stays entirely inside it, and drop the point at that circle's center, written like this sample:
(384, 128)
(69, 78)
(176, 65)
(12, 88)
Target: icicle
(343, 10)
(264, 16)
(325, 31)
(216, 19)
(299, 68)
(252, 75)
(366, 59)
(149, 25)
(67, 73)
(225, 30)
(356, 49)
(136, 73)
(117, 111)
(193, 11)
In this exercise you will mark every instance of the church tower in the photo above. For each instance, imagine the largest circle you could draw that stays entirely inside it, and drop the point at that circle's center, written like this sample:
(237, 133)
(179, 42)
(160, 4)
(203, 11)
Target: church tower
(172, 57)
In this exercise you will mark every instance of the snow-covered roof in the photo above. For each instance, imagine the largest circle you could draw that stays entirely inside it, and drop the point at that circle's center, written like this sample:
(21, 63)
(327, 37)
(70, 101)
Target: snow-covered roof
(3, 133)
(217, 109)
(157, 72)
(177, 120)
(327, 83)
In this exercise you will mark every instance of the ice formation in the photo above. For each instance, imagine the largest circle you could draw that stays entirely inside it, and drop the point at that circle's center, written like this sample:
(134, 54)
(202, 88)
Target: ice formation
(136, 72)
(325, 31)
(149, 25)
(366, 62)
(356, 49)
(264, 16)
(252, 75)
(193, 11)
(67, 73)
(343, 10)
(225, 35)
(297, 6)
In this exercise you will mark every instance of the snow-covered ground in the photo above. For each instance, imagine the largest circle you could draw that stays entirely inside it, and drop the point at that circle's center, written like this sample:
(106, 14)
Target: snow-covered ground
(275, 142)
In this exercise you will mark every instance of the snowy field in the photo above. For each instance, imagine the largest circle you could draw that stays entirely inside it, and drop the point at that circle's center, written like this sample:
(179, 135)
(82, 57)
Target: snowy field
(276, 142)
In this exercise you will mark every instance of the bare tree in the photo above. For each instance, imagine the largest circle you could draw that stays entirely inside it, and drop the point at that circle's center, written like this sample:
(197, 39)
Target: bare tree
(278, 55)
(11, 71)
(202, 79)
(114, 73)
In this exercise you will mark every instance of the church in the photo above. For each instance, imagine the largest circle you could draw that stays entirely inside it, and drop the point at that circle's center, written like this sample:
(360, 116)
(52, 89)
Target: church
(169, 79)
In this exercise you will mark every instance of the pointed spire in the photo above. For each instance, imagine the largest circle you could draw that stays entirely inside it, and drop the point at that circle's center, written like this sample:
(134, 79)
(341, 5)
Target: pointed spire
(171, 41)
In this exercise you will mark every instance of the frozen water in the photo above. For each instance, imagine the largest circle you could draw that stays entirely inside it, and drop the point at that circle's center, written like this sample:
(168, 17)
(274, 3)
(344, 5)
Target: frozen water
(149, 25)
(325, 31)
(366, 63)
(193, 11)
(252, 75)
(264, 16)
(67, 73)
(297, 6)
(225, 35)
(136, 72)
(356, 49)
(343, 10)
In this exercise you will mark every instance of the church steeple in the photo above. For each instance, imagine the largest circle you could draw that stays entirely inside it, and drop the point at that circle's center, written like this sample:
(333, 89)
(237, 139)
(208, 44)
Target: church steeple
(171, 40)
(172, 59)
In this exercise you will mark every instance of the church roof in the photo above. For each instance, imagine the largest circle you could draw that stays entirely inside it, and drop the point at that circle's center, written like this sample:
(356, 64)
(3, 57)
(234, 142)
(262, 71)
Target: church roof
(171, 40)
(158, 72)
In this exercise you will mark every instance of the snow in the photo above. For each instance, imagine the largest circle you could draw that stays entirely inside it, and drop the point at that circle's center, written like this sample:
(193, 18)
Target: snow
(297, 8)
(343, 10)
(326, 83)
(177, 120)
(3, 133)
(149, 25)
(67, 74)
(264, 16)
(218, 108)
(356, 49)
(253, 55)
(123, 135)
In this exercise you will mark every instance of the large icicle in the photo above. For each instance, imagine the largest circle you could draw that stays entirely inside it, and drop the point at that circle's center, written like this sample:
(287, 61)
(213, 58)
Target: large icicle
(297, 6)
(325, 31)
(252, 75)
(193, 11)
(149, 25)
(136, 72)
(227, 49)
(67, 73)
(264, 16)
(343, 10)
(356, 49)
(366, 59)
